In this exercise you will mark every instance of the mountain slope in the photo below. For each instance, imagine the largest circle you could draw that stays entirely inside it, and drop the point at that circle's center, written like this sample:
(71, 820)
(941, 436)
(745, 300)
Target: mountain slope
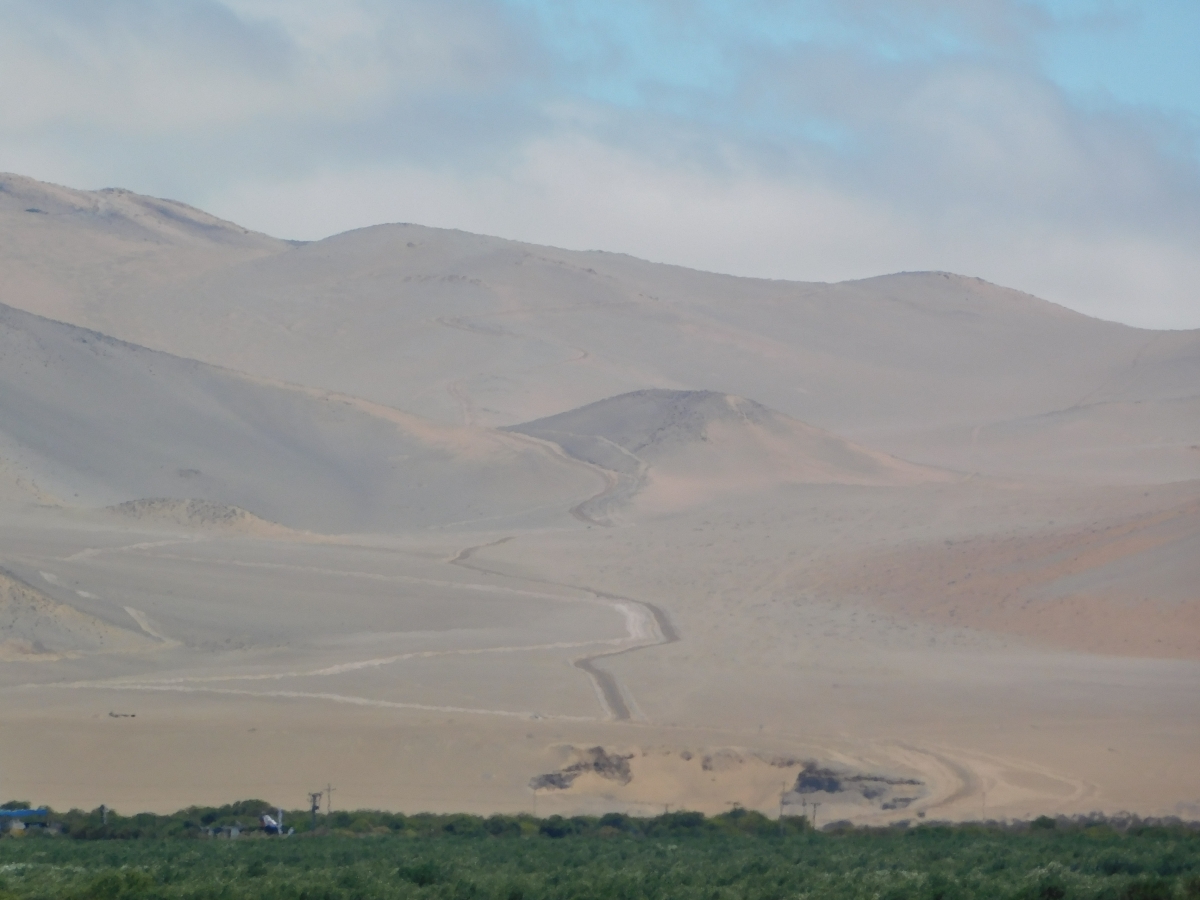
(79, 255)
(98, 422)
(36, 628)
(676, 449)
(461, 328)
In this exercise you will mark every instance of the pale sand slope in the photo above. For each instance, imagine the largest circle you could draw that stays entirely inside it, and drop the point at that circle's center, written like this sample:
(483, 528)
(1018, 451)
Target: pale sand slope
(1123, 584)
(18, 487)
(1110, 442)
(98, 422)
(412, 682)
(459, 327)
(36, 628)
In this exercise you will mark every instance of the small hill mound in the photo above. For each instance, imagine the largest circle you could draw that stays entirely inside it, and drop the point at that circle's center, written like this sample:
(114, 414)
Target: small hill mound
(37, 628)
(193, 513)
(676, 449)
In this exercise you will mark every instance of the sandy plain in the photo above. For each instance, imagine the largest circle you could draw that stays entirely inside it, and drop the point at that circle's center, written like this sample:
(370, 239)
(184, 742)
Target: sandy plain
(454, 523)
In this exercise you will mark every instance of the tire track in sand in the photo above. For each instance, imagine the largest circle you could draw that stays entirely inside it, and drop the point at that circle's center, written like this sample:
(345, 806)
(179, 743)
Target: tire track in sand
(609, 691)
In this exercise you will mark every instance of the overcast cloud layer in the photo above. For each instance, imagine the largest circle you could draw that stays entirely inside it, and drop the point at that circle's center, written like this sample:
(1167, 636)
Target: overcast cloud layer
(1049, 146)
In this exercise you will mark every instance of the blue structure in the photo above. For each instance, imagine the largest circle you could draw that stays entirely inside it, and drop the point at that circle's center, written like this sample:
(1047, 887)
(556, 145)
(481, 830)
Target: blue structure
(22, 813)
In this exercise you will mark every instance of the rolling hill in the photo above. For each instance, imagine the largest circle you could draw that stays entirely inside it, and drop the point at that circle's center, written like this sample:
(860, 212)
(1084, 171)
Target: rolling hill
(465, 329)
(672, 450)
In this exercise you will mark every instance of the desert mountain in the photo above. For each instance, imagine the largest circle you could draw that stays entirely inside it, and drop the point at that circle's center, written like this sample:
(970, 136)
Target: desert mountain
(460, 328)
(676, 449)
(74, 255)
(98, 422)
(180, 399)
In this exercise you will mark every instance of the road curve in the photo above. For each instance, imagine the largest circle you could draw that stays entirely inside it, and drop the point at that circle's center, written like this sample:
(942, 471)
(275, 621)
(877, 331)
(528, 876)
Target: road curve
(607, 687)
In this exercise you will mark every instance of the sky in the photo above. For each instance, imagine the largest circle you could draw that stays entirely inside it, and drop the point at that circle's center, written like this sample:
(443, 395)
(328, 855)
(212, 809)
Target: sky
(1047, 145)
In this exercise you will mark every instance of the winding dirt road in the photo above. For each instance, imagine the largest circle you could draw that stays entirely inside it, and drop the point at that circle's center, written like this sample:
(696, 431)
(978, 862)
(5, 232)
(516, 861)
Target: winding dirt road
(612, 695)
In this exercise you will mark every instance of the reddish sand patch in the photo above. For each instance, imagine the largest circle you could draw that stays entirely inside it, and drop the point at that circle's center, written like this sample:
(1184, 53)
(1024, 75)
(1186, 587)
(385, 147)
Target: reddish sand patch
(1108, 588)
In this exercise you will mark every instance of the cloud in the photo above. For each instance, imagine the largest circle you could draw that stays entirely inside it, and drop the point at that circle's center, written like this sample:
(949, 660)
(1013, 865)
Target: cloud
(145, 69)
(140, 67)
(814, 140)
(575, 192)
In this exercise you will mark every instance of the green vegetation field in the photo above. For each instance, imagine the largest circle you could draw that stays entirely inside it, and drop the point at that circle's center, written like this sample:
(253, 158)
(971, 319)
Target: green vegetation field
(681, 855)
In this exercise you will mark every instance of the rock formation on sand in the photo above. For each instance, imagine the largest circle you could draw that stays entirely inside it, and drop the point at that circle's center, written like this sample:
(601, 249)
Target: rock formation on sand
(197, 514)
(612, 766)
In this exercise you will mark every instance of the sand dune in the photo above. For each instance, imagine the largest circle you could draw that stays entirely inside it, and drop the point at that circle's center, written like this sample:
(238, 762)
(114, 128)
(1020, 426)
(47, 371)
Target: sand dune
(677, 449)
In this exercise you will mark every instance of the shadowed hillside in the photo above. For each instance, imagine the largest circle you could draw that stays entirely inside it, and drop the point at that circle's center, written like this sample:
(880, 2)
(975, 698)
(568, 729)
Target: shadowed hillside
(96, 421)
(684, 448)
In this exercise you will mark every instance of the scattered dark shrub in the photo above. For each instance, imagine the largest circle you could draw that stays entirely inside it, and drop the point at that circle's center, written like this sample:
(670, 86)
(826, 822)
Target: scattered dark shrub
(557, 827)
(1114, 864)
(501, 826)
(1149, 889)
(421, 874)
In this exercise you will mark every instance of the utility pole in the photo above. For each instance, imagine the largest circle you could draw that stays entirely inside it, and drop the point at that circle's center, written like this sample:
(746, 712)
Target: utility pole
(328, 799)
(782, 794)
(314, 801)
(815, 807)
